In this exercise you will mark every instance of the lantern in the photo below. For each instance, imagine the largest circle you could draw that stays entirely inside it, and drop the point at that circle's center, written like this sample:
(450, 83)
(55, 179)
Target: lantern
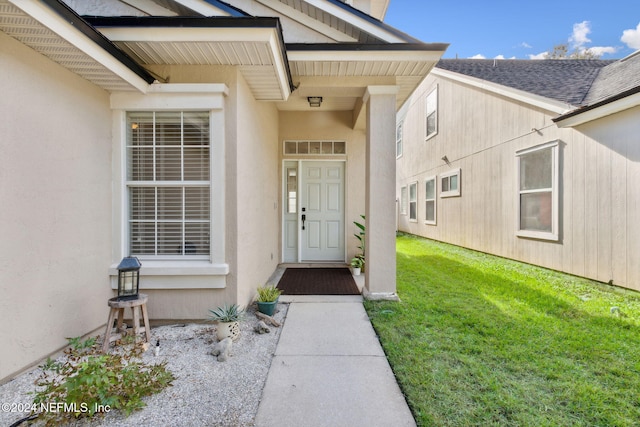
(128, 278)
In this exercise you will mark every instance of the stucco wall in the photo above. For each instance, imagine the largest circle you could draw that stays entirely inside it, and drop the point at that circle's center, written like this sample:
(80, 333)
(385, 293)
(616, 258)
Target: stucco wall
(55, 216)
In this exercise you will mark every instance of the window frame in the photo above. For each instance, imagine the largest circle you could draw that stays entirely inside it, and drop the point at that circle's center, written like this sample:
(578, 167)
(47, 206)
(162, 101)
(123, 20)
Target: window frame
(404, 200)
(194, 274)
(447, 175)
(552, 235)
(434, 200)
(414, 218)
(159, 145)
(399, 139)
(432, 94)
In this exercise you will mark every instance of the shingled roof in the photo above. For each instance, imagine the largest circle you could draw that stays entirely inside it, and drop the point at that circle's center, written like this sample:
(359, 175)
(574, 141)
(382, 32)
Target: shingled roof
(564, 80)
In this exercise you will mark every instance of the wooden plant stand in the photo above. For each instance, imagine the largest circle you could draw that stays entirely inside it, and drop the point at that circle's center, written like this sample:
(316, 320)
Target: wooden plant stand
(117, 307)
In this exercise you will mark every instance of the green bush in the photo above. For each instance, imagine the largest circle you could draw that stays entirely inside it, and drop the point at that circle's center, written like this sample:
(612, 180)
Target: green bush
(86, 381)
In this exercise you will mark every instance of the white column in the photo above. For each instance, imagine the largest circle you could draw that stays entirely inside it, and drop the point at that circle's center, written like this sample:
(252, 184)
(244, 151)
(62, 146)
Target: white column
(380, 268)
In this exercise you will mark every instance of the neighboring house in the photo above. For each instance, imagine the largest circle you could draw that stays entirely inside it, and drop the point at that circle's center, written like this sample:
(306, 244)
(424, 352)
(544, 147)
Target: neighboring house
(537, 161)
(192, 134)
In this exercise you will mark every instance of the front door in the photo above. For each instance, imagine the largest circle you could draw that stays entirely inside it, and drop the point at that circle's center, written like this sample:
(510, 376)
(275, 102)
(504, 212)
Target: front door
(322, 211)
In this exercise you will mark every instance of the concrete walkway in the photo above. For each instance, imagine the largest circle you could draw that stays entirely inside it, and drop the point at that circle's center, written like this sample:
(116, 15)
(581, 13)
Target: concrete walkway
(329, 370)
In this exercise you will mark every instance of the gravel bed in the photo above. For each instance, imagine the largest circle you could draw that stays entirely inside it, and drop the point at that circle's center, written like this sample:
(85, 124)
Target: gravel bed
(205, 392)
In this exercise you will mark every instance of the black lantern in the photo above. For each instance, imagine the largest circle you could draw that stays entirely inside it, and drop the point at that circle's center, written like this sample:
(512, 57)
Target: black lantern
(128, 278)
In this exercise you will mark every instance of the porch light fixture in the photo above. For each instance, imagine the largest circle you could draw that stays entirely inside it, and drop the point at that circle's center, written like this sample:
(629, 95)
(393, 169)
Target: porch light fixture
(128, 278)
(314, 101)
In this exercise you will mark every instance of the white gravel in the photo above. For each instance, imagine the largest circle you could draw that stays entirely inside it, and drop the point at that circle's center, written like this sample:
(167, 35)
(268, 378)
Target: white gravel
(205, 392)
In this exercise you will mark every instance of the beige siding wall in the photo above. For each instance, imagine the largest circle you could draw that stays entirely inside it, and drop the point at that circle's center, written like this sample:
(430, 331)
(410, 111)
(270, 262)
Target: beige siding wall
(55, 198)
(480, 132)
(333, 126)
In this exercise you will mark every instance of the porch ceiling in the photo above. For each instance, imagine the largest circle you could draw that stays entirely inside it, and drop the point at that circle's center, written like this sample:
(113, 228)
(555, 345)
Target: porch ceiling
(341, 73)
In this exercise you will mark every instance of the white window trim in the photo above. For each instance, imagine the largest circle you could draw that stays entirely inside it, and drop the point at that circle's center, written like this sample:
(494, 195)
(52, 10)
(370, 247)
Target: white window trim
(399, 139)
(201, 273)
(404, 200)
(555, 196)
(433, 92)
(435, 200)
(409, 202)
(450, 193)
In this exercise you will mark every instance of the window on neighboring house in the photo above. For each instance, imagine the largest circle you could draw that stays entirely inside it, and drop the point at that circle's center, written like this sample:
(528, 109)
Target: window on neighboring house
(403, 200)
(168, 184)
(413, 201)
(450, 183)
(399, 140)
(432, 113)
(538, 169)
(430, 200)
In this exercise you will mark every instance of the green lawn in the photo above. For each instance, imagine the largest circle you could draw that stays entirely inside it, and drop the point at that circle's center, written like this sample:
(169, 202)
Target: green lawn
(479, 340)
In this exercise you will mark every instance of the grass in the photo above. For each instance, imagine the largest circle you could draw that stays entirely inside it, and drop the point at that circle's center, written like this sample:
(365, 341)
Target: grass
(479, 340)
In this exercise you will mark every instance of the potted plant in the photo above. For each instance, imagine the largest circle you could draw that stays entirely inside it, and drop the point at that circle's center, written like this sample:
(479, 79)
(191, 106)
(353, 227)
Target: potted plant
(356, 264)
(268, 299)
(227, 318)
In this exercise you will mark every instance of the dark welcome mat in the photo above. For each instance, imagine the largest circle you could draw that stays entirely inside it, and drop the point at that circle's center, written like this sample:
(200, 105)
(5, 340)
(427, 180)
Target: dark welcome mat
(318, 281)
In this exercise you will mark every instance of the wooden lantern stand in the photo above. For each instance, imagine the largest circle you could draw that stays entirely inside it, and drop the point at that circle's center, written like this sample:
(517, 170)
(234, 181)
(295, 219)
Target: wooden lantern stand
(117, 307)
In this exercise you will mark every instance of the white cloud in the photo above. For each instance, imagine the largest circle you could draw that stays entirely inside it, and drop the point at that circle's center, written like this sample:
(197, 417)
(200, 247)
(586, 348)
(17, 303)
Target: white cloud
(580, 32)
(478, 56)
(542, 55)
(601, 50)
(499, 57)
(631, 37)
(526, 45)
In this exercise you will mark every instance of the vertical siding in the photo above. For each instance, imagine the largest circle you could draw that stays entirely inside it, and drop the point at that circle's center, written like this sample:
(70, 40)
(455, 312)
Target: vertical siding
(480, 133)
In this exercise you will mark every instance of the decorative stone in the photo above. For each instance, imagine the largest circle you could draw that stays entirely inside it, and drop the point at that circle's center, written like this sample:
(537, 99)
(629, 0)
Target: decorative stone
(262, 328)
(223, 349)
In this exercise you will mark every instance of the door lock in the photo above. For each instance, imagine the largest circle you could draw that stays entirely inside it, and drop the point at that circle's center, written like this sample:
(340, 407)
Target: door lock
(304, 217)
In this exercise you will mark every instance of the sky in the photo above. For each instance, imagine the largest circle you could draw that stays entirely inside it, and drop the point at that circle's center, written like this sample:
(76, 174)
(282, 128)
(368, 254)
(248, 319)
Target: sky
(520, 29)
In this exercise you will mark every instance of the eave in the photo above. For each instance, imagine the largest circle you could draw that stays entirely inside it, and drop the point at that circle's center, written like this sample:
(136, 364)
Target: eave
(54, 30)
(538, 101)
(615, 104)
(342, 72)
(254, 45)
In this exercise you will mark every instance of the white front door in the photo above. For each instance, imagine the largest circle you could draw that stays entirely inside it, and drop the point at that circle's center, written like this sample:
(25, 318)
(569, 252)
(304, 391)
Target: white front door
(321, 211)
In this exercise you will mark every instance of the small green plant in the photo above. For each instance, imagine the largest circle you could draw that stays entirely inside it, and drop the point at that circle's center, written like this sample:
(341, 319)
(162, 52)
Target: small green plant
(86, 381)
(357, 262)
(268, 293)
(361, 238)
(226, 313)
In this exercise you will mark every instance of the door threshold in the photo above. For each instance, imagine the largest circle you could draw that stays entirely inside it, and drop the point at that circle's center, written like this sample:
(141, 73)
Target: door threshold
(315, 264)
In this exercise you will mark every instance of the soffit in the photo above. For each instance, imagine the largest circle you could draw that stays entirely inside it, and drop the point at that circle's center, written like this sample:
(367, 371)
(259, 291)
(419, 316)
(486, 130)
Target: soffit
(31, 32)
(341, 76)
(257, 51)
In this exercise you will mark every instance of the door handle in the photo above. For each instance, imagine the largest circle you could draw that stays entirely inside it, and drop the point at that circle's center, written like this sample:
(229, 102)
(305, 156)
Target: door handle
(304, 218)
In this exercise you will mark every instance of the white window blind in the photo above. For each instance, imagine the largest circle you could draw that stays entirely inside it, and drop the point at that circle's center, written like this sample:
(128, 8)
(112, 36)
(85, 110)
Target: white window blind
(430, 200)
(168, 181)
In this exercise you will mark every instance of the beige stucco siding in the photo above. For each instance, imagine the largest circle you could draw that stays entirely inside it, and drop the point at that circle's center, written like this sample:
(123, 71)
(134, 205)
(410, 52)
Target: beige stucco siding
(55, 193)
(480, 133)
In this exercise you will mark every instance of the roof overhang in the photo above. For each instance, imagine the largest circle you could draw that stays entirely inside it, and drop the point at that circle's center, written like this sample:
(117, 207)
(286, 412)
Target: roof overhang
(54, 30)
(340, 73)
(606, 107)
(254, 45)
(542, 102)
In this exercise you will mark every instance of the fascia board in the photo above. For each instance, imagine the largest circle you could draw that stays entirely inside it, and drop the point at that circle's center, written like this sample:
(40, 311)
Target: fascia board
(57, 24)
(515, 94)
(363, 24)
(203, 8)
(599, 112)
(307, 21)
(364, 55)
(185, 34)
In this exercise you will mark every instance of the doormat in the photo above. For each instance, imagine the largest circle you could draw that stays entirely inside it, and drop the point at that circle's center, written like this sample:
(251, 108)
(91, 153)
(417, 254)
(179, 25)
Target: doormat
(318, 281)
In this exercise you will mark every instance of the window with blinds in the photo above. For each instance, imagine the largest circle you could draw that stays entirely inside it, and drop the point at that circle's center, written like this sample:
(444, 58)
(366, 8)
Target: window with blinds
(168, 181)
